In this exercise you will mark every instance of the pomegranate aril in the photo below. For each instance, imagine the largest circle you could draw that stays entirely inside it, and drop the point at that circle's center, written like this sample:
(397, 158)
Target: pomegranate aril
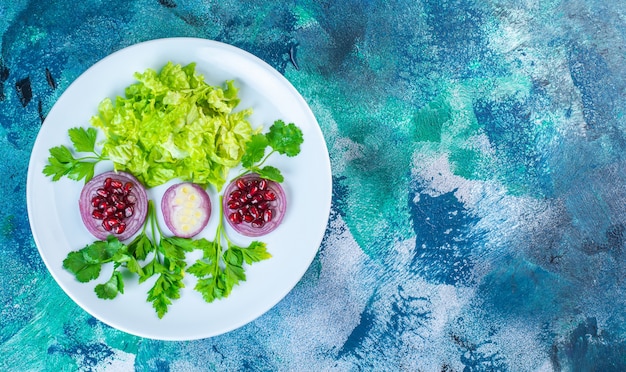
(267, 215)
(128, 186)
(262, 184)
(269, 195)
(241, 184)
(119, 214)
(235, 218)
(128, 211)
(248, 218)
(95, 201)
(120, 228)
(256, 199)
(98, 215)
(107, 182)
(103, 204)
(116, 184)
(258, 223)
(263, 205)
(254, 189)
(131, 199)
(254, 211)
(102, 192)
(235, 204)
(120, 206)
(109, 223)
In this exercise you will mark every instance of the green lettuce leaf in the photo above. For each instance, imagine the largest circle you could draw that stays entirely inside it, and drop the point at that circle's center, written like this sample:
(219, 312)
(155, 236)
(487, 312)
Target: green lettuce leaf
(172, 124)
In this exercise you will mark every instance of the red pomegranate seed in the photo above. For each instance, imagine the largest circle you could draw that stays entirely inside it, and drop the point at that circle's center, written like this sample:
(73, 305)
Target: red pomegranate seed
(128, 211)
(118, 229)
(241, 184)
(254, 212)
(269, 195)
(107, 183)
(262, 184)
(234, 204)
(267, 215)
(254, 189)
(109, 223)
(103, 204)
(128, 186)
(248, 218)
(102, 192)
(258, 223)
(116, 184)
(98, 215)
(95, 201)
(120, 206)
(235, 218)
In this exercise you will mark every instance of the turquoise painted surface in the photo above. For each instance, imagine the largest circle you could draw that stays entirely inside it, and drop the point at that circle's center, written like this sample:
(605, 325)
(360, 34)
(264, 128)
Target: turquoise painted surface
(478, 211)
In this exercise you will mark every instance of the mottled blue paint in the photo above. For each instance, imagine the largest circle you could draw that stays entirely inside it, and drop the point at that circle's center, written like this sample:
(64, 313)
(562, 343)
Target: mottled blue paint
(536, 260)
(517, 142)
(443, 250)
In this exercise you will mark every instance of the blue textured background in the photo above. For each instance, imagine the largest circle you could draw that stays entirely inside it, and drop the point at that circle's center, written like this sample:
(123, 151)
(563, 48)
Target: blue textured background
(478, 213)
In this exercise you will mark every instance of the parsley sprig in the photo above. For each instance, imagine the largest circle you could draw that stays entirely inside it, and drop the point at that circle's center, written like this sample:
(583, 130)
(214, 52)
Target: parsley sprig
(87, 263)
(281, 138)
(63, 162)
(221, 269)
(218, 271)
(168, 262)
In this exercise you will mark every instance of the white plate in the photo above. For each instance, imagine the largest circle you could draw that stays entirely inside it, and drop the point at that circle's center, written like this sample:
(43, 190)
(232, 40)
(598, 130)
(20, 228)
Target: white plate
(57, 227)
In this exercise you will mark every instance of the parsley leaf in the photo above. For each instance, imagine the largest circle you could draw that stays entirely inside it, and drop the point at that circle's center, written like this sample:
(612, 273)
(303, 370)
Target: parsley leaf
(86, 263)
(83, 270)
(140, 246)
(219, 271)
(168, 263)
(255, 150)
(286, 139)
(112, 287)
(84, 140)
(166, 288)
(282, 138)
(270, 173)
(62, 161)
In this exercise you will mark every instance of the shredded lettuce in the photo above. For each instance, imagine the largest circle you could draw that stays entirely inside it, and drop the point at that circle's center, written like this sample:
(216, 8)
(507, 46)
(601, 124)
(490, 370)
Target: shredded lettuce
(172, 124)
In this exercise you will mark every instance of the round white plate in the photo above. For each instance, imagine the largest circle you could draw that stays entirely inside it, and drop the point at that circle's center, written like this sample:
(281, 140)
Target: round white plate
(57, 227)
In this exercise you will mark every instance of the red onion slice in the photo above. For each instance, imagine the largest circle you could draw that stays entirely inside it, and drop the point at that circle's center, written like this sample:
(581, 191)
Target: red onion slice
(113, 203)
(186, 209)
(254, 206)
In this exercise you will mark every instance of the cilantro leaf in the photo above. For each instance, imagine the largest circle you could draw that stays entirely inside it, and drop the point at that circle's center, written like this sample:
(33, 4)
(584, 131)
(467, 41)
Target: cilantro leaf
(84, 140)
(63, 163)
(255, 252)
(81, 170)
(62, 154)
(201, 268)
(166, 288)
(140, 246)
(112, 287)
(285, 139)
(82, 269)
(255, 150)
(270, 173)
